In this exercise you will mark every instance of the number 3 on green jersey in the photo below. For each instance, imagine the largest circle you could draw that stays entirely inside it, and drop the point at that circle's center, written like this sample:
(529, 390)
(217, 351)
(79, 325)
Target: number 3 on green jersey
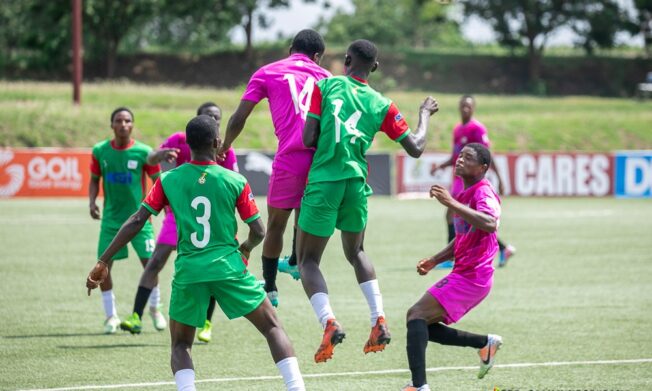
(202, 220)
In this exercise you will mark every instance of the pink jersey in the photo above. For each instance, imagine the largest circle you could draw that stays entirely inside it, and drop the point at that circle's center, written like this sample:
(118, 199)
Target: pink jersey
(288, 85)
(475, 249)
(178, 140)
(471, 132)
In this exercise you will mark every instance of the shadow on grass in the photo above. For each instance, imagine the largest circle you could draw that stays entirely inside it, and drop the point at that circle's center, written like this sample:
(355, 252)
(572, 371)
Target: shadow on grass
(112, 346)
(54, 335)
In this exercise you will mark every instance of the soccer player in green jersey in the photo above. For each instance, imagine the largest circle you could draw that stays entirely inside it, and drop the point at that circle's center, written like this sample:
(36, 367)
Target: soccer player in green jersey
(121, 164)
(210, 262)
(344, 116)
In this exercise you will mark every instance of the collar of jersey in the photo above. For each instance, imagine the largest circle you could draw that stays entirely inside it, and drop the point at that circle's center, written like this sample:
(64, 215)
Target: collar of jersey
(207, 163)
(300, 55)
(359, 80)
(131, 144)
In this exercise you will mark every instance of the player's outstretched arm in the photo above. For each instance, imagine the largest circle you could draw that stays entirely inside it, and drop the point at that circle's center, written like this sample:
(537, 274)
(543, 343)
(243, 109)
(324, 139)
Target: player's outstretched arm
(415, 143)
(425, 265)
(311, 132)
(128, 231)
(159, 155)
(93, 191)
(477, 219)
(236, 124)
(256, 235)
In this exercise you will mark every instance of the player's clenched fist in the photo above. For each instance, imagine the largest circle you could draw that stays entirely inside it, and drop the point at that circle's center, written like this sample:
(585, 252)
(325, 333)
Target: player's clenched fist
(424, 266)
(430, 105)
(99, 272)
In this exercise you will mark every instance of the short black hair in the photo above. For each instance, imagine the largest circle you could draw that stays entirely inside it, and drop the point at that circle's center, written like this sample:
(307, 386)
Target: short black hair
(484, 156)
(206, 105)
(200, 132)
(364, 51)
(122, 108)
(308, 42)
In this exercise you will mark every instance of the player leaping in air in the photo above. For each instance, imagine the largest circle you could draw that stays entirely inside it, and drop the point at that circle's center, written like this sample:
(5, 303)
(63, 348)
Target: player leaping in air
(345, 115)
(476, 213)
(203, 197)
(288, 85)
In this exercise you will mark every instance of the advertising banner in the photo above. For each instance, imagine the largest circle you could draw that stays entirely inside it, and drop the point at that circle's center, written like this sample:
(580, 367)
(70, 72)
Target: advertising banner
(525, 174)
(46, 172)
(633, 176)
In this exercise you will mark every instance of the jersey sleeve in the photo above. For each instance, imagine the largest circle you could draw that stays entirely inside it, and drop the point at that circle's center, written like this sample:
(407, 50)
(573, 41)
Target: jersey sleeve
(315, 103)
(246, 205)
(152, 171)
(394, 124)
(230, 161)
(96, 170)
(156, 198)
(488, 203)
(256, 88)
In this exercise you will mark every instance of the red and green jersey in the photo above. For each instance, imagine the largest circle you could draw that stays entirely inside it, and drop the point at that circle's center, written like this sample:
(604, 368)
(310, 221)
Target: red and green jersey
(124, 172)
(350, 114)
(203, 197)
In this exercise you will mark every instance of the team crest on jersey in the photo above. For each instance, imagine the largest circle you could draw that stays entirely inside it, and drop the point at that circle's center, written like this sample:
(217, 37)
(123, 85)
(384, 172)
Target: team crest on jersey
(202, 178)
(132, 164)
(398, 117)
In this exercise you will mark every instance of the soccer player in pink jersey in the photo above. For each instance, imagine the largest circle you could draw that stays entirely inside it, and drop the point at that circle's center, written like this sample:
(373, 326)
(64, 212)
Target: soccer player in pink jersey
(173, 150)
(469, 130)
(288, 85)
(476, 214)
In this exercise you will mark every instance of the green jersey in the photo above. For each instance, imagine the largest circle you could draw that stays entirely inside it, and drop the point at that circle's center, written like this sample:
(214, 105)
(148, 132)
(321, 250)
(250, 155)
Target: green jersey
(203, 197)
(350, 114)
(123, 178)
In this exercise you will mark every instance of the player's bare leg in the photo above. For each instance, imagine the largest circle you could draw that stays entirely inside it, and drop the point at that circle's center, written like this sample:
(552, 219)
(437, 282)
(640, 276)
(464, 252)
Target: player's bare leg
(310, 249)
(181, 359)
(353, 244)
(112, 322)
(265, 319)
(148, 289)
(277, 220)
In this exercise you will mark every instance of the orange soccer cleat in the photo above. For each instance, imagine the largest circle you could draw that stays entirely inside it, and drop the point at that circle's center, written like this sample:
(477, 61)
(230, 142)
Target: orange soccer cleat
(333, 334)
(379, 337)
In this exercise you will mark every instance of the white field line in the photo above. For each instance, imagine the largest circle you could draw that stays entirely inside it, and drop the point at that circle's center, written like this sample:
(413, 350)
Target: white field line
(355, 373)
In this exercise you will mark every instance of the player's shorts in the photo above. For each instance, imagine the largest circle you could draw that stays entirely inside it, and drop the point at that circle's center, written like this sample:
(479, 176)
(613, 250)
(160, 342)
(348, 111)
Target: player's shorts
(237, 297)
(337, 204)
(286, 189)
(458, 294)
(143, 243)
(168, 234)
(457, 186)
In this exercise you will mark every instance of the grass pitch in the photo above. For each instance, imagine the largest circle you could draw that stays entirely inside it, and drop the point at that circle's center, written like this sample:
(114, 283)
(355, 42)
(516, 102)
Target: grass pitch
(579, 289)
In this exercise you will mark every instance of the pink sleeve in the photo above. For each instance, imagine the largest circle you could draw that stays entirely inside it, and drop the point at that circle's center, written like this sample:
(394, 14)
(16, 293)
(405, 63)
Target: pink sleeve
(256, 88)
(483, 136)
(230, 161)
(487, 202)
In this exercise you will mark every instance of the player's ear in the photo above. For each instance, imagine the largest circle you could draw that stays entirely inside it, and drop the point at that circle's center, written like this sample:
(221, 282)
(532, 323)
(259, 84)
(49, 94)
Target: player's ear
(316, 58)
(347, 60)
(373, 68)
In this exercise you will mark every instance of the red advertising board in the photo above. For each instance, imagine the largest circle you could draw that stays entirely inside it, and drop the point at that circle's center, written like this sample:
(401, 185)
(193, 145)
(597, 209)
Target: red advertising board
(44, 172)
(523, 174)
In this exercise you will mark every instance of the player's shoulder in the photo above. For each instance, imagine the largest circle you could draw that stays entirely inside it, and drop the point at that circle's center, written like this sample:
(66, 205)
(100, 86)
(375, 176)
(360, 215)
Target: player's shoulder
(102, 145)
(479, 125)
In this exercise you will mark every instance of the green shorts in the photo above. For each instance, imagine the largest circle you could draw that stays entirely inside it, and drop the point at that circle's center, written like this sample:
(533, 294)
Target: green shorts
(237, 297)
(338, 204)
(143, 243)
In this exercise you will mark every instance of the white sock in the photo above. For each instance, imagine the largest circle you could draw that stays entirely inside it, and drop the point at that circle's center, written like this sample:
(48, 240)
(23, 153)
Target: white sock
(371, 292)
(322, 307)
(109, 303)
(289, 369)
(185, 379)
(155, 297)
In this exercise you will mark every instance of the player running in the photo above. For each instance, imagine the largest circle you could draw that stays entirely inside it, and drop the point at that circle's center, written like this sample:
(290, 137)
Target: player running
(470, 130)
(345, 115)
(288, 85)
(174, 150)
(476, 214)
(203, 196)
(122, 165)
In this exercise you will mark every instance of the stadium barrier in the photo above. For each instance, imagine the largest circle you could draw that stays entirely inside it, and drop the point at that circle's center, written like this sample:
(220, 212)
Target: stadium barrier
(56, 172)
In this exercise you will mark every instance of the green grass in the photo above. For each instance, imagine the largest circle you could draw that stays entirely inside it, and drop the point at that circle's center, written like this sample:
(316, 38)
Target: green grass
(41, 115)
(579, 289)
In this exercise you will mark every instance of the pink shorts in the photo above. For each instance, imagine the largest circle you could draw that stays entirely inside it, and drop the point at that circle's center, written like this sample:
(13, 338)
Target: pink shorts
(457, 186)
(168, 234)
(458, 294)
(286, 189)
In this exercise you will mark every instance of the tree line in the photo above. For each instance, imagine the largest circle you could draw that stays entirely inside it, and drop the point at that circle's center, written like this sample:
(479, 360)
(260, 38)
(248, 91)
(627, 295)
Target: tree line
(36, 34)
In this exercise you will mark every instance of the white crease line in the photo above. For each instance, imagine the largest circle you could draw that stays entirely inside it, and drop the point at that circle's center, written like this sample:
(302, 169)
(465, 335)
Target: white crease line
(357, 373)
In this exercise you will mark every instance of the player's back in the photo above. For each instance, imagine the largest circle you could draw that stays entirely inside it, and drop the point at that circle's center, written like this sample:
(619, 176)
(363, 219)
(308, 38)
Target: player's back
(203, 199)
(472, 132)
(288, 85)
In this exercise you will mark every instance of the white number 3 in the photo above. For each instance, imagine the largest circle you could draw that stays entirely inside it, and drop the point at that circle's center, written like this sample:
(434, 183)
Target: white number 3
(203, 220)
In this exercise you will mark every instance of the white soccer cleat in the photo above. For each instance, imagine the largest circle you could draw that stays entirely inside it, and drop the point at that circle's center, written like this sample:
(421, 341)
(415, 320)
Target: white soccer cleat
(111, 325)
(488, 354)
(158, 319)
